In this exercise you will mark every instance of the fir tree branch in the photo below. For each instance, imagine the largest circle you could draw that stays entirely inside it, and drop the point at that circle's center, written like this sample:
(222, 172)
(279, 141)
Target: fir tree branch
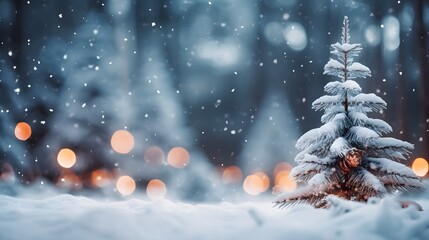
(365, 183)
(326, 101)
(306, 195)
(332, 112)
(339, 88)
(372, 101)
(310, 165)
(377, 125)
(319, 136)
(389, 148)
(395, 176)
(404, 187)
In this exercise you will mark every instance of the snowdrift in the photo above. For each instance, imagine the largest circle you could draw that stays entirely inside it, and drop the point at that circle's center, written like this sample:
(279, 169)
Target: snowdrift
(73, 217)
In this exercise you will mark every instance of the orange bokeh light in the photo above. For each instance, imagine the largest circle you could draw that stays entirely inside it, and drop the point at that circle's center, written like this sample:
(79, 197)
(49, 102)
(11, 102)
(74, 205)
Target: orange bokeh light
(283, 166)
(232, 175)
(178, 157)
(154, 155)
(6, 172)
(156, 189)
(253, 185)
(101, 178)
(69, 180)
(66, 158)
(283, 183)
(126, 185)
(22, 131)
(265, 180)
(122, 141)
(420, 167)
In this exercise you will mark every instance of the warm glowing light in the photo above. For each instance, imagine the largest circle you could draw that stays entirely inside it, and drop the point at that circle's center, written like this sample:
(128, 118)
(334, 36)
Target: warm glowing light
(69, 180)
(22, 131)
(6, 172)
(283, 183)
(126, 185)
(281, 175)
(122, 141)
(101, 178)
(265, 180)
(283, 166)
(232, 175)
(420, 167)
(178, 157)
(156, 189)
(66, 158)
(154, 155)
(253, 184)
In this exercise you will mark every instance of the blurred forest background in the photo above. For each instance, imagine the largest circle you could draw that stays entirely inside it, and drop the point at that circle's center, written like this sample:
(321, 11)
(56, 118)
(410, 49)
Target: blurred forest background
(200, 89)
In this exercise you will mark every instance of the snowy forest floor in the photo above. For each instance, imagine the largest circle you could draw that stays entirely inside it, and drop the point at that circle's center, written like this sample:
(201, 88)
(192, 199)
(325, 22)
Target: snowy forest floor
(73, 217)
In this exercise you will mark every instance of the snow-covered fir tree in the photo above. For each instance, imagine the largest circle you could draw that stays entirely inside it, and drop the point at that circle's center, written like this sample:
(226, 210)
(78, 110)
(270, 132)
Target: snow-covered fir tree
(347, 156)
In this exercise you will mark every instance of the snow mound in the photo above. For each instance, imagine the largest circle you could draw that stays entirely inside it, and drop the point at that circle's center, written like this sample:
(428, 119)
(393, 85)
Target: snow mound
(73, 217)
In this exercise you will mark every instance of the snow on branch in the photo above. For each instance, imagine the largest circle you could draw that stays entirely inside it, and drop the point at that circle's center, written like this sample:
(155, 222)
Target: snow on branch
(323, 179)
(347, 48)
(332, 112)
(377, 125)
(346, 52)
(351, 86)
(305, 157)
(326, 102)
(334, 68)
(339, 88)
(389, 166)
(318, 136)
(358, 118)
(333, 88)
(368, 97)
(309, 165)
(394, 175)
(361, 135)
(388, 147)
(358, 70)
(324, 135)
(368, 100)
(340, 147)
(304, 172)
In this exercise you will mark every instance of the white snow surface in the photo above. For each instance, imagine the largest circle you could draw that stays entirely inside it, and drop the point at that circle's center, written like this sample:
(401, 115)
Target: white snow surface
(74, 217)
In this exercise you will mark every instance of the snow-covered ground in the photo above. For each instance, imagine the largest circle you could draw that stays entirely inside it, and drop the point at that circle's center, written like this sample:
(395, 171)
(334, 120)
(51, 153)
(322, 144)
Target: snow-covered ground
(73, 217)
